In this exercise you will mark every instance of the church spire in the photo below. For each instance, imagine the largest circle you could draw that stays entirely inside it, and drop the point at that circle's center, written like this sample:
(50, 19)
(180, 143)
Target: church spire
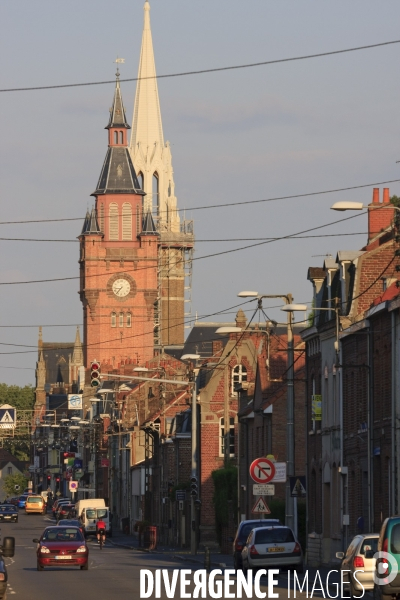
(150, 155)
(146, 123)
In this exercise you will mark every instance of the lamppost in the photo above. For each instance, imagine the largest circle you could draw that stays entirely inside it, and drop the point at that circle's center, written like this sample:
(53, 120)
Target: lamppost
(288, 298)
(192, 358)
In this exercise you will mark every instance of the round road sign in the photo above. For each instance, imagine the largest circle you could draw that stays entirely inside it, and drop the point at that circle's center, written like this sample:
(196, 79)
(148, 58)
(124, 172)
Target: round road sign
(262, 470)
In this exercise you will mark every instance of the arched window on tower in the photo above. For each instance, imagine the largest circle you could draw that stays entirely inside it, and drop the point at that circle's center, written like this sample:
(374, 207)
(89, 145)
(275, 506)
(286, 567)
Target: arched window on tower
(156, 192)
(129, 319)
(113, 319)
(121, 319)
(121, 137)
(138, 226)
(114, 229)
(126, 221)
(102, 217)
(115, 137)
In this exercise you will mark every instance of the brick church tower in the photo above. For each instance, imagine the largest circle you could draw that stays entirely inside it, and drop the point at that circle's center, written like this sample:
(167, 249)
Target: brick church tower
(118, 259)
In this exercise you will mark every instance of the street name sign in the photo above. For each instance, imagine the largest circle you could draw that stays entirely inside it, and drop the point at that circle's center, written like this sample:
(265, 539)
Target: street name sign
(280, 472)
(263, 489)
(262, 470)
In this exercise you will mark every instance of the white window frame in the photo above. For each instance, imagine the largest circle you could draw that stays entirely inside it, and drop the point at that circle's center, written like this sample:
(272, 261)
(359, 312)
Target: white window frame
(222, 436)
(238, 375)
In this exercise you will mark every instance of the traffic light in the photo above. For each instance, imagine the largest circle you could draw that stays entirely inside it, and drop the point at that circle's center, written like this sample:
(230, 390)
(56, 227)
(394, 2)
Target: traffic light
(48, 479)
(95, 373)
(194, 490)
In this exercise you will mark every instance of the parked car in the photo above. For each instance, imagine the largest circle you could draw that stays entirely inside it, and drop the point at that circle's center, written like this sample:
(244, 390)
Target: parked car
(59, 506)
(62, 546)
(8, 512)
(56, 503)
(14, 500)
(64, 510)
(359, 557)
(389, 541)
(35, 504)
(71, 523)
(242, 534)
(22, 501)
(272, 547)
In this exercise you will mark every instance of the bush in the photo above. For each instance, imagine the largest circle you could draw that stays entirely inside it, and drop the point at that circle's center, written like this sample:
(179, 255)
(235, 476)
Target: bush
(225, 492)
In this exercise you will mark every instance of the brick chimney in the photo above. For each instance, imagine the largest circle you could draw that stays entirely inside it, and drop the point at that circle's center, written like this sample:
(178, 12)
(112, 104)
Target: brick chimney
(379, 218)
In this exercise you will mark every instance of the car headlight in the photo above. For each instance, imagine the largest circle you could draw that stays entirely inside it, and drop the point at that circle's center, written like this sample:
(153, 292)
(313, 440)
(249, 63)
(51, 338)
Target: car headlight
(81, 549)
(44, 550)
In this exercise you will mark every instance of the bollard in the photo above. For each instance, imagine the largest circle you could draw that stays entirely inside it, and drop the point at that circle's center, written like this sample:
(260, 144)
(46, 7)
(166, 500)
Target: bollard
(207, 558)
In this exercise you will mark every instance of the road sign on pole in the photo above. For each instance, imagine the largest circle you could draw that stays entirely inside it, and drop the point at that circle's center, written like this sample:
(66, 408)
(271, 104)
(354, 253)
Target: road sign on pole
(262, 470)
(73, 486)
(7, 417)
(298, 487)
(263, 489)
(261, 507)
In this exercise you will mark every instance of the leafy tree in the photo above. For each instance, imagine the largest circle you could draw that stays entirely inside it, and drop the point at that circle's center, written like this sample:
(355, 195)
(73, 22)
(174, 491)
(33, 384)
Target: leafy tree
(22, 398)
(395, 200)
(10, 481)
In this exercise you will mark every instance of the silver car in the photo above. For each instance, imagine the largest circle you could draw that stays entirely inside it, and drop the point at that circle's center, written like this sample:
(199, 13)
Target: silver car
(359, 557)
(272, 547)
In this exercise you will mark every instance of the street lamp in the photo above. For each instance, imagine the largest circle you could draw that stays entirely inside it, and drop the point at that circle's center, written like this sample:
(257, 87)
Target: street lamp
(288, 298)
(194, 465)
(342, 206)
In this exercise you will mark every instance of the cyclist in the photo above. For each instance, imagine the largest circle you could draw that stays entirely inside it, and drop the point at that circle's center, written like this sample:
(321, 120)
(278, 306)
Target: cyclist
(100, 530)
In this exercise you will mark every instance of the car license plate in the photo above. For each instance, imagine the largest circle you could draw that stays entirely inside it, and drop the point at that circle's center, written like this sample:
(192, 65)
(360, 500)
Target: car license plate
(7, 517)
(62, 557)
(275, 549)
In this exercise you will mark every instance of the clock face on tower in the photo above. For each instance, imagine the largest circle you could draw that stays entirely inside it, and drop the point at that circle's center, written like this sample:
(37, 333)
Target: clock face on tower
(121, 288)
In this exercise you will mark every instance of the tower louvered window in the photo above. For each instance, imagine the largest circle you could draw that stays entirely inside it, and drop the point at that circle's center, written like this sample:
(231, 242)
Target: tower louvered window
(114, 229)
(121, 137)
(102, 217)
(113, 319)
(138, 228)
(128, 319)
(126, 221)
(121, 319)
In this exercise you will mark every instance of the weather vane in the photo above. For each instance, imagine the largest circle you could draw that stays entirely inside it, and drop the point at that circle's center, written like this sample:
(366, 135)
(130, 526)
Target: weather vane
(119, 61)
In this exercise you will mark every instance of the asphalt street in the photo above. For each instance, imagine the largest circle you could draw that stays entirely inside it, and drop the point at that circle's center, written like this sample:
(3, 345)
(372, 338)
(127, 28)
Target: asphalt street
(113, 572)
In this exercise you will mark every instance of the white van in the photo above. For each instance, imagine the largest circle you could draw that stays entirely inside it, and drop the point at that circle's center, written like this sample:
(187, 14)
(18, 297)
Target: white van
(89, 517)
(88, 502)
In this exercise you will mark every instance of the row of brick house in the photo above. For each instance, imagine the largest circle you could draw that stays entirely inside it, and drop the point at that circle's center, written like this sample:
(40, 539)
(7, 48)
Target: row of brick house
(353, 378)
(148, 445)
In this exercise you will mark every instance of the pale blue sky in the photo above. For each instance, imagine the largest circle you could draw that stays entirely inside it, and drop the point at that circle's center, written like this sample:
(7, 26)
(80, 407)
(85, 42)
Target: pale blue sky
(238, 135)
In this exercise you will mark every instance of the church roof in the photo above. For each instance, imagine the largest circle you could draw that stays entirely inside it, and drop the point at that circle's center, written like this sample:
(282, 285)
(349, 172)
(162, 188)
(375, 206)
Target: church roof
(118, 175)
(117, 111)
(148, 227)
(90, 225)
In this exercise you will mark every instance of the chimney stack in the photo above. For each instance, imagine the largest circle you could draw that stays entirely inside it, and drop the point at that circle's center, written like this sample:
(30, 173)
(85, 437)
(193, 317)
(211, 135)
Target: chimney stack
(380, 215)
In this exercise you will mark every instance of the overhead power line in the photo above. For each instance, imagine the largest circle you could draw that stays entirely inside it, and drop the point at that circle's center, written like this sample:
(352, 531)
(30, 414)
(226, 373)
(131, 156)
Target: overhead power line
(203, 71)
(244, 202)
(213, 255)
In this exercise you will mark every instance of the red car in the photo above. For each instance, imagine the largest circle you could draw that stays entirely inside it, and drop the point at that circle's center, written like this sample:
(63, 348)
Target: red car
(62, 546)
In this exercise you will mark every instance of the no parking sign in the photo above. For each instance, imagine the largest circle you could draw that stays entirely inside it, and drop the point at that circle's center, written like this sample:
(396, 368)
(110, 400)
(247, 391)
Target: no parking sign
(73, 486)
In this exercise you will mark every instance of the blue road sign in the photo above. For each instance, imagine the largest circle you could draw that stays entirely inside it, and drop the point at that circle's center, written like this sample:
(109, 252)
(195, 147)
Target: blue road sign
(7, 417)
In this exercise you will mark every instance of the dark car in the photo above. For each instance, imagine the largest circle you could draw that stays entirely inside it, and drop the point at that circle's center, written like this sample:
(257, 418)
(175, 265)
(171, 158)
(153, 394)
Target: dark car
(60, 547)
(71, 523)
(243, 532)
(8, 512)
(388, 569)
(7, 548)
(65, 511)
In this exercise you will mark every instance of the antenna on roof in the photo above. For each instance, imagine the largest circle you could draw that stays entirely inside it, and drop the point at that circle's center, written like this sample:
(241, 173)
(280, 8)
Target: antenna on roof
(326, 255)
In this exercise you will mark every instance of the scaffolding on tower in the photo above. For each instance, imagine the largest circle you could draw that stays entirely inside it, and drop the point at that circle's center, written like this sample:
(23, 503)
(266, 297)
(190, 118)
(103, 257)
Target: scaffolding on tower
(174, 293)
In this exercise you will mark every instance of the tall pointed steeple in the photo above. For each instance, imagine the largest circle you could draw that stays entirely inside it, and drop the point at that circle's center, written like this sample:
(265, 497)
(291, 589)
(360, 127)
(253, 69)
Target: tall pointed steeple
(150, 155)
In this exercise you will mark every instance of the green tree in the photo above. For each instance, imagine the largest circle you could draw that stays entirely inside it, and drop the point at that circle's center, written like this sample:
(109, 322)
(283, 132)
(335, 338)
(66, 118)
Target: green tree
(11, 481)
(21, 398)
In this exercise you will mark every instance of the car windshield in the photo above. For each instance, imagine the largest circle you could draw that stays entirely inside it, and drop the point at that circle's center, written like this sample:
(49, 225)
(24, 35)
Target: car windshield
(91, 513)
(23, 497)
(395, 539)
(102, 513)
(64, 534)
(34, 500)
(247, 527)
(274, 536)
(369, 544)
(6, 508)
